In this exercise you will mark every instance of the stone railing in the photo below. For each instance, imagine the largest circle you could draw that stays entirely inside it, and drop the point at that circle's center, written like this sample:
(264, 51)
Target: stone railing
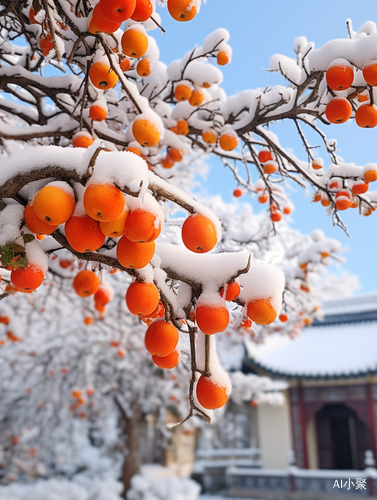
(211, 465)
(295, 483)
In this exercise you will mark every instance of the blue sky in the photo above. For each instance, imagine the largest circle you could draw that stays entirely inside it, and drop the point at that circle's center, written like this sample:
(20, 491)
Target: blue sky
(257, 31)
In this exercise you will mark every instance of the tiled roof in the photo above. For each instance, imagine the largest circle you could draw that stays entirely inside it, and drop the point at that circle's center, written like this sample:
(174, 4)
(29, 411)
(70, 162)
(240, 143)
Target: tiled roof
(340, 346)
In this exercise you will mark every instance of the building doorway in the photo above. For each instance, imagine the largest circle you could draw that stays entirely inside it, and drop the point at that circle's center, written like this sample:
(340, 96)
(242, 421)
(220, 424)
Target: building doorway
(342, 438)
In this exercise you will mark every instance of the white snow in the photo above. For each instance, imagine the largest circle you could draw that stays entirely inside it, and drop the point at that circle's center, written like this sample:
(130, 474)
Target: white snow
(263, 281)
(158, 483)
(63, 489)
(343, 349)
(358, 52)
(124, 169)
(211, 270)
(10, 223)
(218, 375)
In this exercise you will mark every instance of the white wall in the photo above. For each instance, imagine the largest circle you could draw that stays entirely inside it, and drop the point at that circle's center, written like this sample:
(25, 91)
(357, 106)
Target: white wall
(274, 432)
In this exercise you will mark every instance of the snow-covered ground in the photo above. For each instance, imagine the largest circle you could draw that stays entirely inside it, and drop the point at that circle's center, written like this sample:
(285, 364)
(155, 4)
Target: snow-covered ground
(63, 489)
(145, 487)
(219, 497)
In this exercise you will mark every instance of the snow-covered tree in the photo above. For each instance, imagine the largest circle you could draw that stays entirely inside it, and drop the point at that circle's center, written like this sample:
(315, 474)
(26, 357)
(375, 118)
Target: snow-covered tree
(100, 145)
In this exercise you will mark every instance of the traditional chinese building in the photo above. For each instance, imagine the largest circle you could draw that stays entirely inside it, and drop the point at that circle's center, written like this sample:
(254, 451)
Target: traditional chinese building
(330, 420)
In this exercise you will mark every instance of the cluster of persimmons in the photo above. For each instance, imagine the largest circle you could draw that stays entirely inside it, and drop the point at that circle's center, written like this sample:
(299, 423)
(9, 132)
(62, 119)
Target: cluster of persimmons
(339, 77)
(106, 215)
(108, 16)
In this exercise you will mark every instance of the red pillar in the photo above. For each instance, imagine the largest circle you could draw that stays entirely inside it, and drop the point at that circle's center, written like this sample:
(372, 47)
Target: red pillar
(372, 419)
(303, 424)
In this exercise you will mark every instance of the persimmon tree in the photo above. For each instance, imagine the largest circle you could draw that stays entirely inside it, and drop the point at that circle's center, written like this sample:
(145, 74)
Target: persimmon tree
(97, 134)
(67, 362)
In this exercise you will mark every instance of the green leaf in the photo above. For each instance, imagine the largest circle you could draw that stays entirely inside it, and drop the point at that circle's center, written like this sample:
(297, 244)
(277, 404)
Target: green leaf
(6, 257)
(21, 262)
(36, 5)
(6, 249)
(28, 238)
(17, 248)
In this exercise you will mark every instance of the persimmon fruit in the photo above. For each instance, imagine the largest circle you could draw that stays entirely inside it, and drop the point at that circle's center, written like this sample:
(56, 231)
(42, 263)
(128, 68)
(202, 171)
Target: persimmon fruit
(116, 227)
(134, 150)
(339, 77)
(232, 291)
(102, 296)
(82, 139)
(167, 162)
(35, 224)
(269, 168)
(97, 113)
(125, 64)
(212, 318)
(98, 24)
(86, 283)
(317, 163)
(264, 156)
(343, 200)
(196, 98)
(145, 132)
(182, 127)
(199, 233)
(366, 116)
(360, 188)
(142, 298)
(182, 92)
(134, 255)
(143, 11)
(134, 43)
(54, 204)
(211, 395)
(142, 226)
(84, 234)
(103, 202)
(46, 45)
(167, 362)
(102, 76)
(276, 215)
(182, 10)
(370, 73)
(263, 198)
(261, 311)
(144, 68)
(27, 278)
(222, 58)
(228, 142)
(117, 11)
(370, 175)
(175, 154)
(161, 338)
(338, 110)
(32, 15)
(209, 136)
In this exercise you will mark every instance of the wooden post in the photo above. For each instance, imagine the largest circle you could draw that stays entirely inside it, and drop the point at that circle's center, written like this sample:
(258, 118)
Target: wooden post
(303, 424)
(372, 418)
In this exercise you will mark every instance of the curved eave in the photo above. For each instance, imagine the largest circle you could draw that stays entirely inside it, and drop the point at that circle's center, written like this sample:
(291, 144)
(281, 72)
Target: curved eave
(346, 318)
(252, 365)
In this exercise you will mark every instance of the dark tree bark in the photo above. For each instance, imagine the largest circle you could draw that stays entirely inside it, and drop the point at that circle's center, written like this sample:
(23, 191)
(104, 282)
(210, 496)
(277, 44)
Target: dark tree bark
(132, 426)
